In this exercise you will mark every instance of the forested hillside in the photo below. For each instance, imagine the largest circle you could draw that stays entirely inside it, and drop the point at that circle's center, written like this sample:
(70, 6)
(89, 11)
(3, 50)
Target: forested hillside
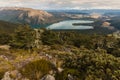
(61, 55)
(7, 27)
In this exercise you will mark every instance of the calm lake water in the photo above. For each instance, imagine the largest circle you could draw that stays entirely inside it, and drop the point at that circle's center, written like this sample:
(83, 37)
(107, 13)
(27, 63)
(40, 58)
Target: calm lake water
(68, 25)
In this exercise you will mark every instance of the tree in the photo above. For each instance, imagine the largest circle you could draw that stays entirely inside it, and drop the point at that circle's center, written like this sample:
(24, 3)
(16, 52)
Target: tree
(23, 37)
(5, 39)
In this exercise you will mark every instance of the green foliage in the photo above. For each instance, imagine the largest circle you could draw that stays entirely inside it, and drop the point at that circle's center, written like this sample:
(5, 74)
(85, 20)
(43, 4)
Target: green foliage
(5, 39)
(23, 37)
(1, 74)
(36, 69)
(93, 57)
(115, 21)
(94, 65)
(72, 38)
(115, 52)
(64, 75)
(7, 27)
(50, 38)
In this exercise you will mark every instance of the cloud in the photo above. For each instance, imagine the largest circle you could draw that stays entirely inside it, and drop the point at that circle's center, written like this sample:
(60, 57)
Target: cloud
(62, 4)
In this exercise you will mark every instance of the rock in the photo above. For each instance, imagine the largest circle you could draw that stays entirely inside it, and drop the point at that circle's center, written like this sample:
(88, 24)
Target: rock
(5, 47)
(60, 69)
(70, 77)
(48, 77)
(7, 76)
(15, 74)
(4, 57)
(106, 24)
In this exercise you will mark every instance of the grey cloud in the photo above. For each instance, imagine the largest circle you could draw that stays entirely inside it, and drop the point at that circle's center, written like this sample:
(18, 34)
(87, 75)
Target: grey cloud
(62, 4)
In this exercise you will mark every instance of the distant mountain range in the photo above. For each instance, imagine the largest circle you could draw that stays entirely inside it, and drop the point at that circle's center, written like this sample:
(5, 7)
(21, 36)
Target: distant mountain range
(25, 15)
(87, 11)
(39, 18)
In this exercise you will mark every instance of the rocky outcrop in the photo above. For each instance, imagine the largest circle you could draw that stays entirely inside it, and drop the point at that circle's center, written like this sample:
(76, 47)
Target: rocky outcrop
(107, 25)
(34, 16)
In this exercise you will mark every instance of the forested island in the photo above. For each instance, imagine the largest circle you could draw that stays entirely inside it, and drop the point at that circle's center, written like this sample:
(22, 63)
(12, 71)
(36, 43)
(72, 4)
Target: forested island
(82, 24)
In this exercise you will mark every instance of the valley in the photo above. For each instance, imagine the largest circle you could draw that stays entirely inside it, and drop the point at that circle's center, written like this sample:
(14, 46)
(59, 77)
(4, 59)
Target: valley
(59, 44)
(42, 19)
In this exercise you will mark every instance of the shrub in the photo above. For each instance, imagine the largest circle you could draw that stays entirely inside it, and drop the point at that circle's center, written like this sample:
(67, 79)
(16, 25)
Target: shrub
(94, 65)
(36, 69)
(64, 75)
(2, 74)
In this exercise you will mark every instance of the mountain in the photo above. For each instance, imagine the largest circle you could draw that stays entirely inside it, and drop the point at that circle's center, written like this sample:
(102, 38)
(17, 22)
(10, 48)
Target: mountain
(25, 15)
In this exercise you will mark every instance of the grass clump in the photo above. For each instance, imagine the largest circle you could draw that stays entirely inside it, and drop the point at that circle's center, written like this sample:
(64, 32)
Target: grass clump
(36, 69)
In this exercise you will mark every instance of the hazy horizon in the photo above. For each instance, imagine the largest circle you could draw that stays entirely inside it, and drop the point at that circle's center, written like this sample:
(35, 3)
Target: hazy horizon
(62, 4)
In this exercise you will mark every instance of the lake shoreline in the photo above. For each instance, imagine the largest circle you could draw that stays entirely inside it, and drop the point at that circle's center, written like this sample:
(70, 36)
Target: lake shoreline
(68, 25)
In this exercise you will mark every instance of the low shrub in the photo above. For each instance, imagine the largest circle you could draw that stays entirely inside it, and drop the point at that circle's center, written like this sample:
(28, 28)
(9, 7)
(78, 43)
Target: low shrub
(36, 69)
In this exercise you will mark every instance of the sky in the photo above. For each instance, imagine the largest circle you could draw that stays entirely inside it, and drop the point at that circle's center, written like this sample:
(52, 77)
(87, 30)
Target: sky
(62, 4)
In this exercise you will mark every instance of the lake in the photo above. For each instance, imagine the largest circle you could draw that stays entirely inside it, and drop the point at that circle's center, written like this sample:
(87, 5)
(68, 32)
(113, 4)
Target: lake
(68, 25)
